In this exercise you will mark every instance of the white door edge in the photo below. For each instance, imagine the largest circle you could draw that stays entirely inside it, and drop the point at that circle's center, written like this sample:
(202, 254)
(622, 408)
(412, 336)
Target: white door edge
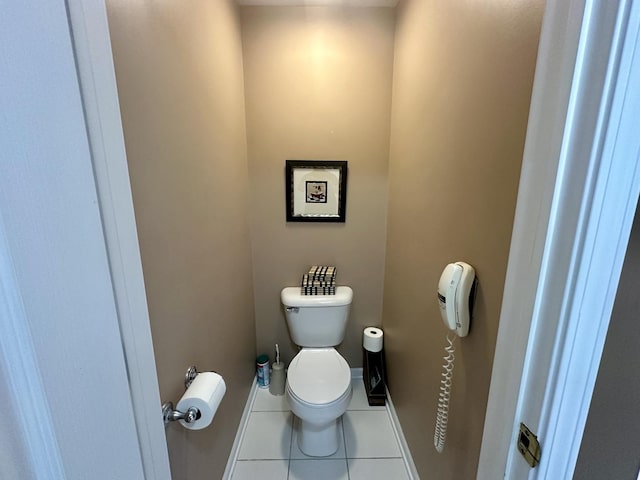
(547, 117)
(566, 258)
(608, 210)
(27, 397)
(89, 28)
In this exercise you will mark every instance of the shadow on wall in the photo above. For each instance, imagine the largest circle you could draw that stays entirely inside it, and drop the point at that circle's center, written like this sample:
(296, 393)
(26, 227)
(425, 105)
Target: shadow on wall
(180, 82)
(459, 119)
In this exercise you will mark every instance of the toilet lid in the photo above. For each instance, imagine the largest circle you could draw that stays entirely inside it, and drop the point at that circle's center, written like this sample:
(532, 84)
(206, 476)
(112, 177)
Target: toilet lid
(319, 375)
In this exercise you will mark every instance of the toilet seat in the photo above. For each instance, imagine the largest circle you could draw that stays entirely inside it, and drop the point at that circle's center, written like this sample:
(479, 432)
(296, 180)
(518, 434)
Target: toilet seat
(319, 376)
(315, 406)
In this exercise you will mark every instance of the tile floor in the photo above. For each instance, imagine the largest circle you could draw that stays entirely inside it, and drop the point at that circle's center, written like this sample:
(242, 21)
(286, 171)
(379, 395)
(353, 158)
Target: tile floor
(369, 448)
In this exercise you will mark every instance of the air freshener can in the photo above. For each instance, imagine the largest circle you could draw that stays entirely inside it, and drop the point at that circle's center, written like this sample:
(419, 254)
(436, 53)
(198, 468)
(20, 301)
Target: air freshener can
(262, 364)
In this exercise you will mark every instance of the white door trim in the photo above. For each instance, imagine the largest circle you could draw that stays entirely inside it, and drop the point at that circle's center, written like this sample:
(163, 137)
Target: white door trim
(94, 58)
(607, 213)
(35, 448)
(580, 184)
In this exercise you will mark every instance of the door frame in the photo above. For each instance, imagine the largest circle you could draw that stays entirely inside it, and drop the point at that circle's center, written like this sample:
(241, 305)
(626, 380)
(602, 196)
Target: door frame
(96, 73)
(562, 119)
(570, 235)
(70, 386)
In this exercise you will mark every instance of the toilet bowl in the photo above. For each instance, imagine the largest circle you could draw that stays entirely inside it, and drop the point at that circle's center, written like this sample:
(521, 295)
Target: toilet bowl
(319, 379)
(318, 392)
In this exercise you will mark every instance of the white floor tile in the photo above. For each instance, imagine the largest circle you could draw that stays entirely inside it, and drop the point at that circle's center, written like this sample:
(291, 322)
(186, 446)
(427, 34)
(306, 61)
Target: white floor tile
(265, 402)
(369, 434)
(268, 436)
(262, 469)
(368, 448)
(377, 469)
(359, 398)
(297, 453)
(318, 470)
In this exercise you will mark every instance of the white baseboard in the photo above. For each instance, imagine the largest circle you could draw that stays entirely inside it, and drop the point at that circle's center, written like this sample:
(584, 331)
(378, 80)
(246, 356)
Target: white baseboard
(233, 455)
(404, 446)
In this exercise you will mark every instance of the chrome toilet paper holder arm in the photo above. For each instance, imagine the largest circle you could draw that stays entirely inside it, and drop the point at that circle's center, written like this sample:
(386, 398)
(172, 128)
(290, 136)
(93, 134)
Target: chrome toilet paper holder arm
(169, 414)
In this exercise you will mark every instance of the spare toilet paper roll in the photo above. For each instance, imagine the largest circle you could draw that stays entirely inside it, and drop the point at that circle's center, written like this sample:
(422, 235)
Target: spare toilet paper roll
(205, 393)
(372, 339)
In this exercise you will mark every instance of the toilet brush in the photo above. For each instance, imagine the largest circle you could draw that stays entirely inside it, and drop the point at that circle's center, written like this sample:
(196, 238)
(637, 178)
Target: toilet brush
(276, 387)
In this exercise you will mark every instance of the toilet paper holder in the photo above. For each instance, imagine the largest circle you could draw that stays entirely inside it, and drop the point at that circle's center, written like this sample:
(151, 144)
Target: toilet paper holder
(169, 414)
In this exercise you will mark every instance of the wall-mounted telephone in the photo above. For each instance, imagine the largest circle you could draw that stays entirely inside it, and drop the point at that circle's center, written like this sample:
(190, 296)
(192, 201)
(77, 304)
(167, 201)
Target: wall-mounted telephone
(456, 295)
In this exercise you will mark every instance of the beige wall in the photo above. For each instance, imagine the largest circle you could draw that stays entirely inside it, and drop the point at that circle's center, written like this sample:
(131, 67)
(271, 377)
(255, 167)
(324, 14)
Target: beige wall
(179, 75)
(611, 438)
(463, 73)
(318, 86)
(317, 83)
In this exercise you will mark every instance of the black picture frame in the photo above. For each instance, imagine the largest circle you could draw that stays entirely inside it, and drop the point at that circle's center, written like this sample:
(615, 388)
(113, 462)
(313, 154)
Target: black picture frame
(316, 190)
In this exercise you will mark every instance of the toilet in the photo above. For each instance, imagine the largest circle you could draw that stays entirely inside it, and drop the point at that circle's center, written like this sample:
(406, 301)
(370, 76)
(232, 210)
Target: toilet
(319, 379)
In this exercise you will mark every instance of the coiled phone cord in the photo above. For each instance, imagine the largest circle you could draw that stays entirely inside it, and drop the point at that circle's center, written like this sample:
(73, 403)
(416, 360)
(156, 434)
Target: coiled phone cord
(442, 417)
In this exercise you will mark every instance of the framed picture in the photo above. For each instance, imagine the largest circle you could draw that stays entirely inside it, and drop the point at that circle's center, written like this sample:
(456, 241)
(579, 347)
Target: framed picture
(316, 190)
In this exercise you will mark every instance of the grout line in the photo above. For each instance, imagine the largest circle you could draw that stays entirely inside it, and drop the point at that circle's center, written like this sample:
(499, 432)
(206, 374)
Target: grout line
(321, 459)
(375, 458)
(318, 459)
(293, 420)
(344, 437)
(344, 443)
(370, 409)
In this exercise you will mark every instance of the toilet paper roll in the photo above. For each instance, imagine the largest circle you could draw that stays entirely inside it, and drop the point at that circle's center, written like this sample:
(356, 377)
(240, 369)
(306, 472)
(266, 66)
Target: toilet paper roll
(205, 393)
(372, 340)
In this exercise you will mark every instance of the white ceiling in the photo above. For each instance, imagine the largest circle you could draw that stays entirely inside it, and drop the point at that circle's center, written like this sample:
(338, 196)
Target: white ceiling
(349, 3)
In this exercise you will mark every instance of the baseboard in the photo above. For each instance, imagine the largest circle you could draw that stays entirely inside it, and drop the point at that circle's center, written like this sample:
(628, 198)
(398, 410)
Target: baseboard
(404, 446)
(233, 455)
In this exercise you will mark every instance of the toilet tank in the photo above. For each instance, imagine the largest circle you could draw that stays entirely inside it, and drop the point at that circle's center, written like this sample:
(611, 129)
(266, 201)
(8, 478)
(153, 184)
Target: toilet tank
(317, 320)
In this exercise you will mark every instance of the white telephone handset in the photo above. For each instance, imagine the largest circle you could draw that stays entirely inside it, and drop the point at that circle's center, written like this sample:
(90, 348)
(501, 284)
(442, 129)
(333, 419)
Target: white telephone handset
(456, 294)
